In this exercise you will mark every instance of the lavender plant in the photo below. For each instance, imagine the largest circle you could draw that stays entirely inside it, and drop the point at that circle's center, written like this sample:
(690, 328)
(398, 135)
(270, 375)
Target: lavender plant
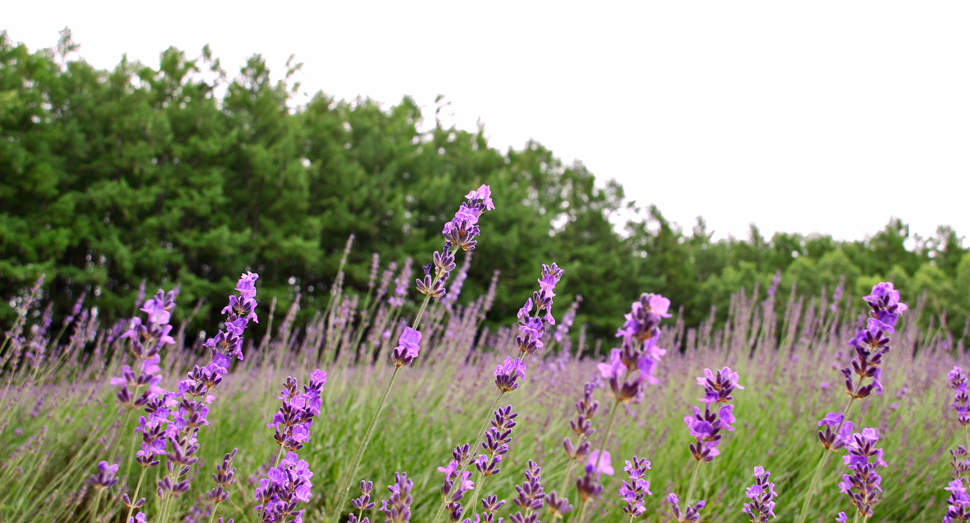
(762, 495)
(459, 233)
(870, 345)
(863, 485)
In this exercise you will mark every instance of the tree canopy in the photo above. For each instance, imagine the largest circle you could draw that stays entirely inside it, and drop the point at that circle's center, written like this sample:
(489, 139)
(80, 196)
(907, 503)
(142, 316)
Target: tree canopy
(182, 173)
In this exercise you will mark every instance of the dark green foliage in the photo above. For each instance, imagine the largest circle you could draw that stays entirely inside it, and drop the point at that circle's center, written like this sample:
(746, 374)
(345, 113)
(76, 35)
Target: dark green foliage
(178, 174)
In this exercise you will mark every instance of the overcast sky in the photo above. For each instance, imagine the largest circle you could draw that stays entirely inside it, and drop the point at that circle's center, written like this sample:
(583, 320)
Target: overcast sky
(825, 116)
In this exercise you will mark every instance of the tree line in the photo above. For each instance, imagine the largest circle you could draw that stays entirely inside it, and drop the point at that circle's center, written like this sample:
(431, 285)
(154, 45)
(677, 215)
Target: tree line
(182, 173)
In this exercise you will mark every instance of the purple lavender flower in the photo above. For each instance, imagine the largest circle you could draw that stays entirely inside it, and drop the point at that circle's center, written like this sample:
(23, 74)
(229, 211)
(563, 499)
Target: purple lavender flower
(105, 477)
(841, 518)
(407, 348)
(600, 465)
(862, 486)
(557, 506)
(224, 477)
(959, 463)
(496, 443)
(531, 496)
(582, 425)
(871, 343)
(762, 494)
(463, 228)
(958, 504)
(363, 502)
(532, 328)
(957, 381)
(375, 264)
(295, 417)
(453, 488)
(830, 439)
(706, 426)
(508, 374)
(691, 515)
(279, 495)
(401, 285)
(636, 490)
(639, 353)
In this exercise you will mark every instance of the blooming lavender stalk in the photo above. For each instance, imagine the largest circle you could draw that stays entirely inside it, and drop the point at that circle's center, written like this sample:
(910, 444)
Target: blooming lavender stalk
(460, 232)
(531, 497)
(957, 381)
(362, 503)
(398, 507)
(635, 491)
(706, 426)
(640, 354)
(496, 445)
(224, 477)
(288, 483)
(690, 515)
(583, 427)
(862, 486)
(105, 478)
(762, 495)
(870, 345)
(531, 330)
(958, 504)
(193, 392)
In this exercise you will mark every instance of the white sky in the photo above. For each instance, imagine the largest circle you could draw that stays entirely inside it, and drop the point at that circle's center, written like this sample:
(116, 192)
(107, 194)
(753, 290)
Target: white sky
(825, 116)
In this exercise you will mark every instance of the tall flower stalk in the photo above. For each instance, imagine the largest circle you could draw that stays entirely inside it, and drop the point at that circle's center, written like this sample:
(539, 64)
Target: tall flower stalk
(532, 328)
(459, 233)
(870, 345)
(628, 370)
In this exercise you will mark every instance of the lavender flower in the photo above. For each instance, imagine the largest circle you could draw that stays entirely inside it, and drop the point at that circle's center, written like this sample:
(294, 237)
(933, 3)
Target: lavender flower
(508, 374)
(958, 504)
(363, 502)
(640, 353)
(453, 489)
(691, 515)
(557, 506)
(287, 485)
(706, 426)
(635, 491)
(829, 438)
(375, 264)
(959, 464)
(961, 399)
(105, 477)
(862, 486)
(295, 417)
(407, 348)
(582, 425)
(497, 438)
(401, 285)
(224, 477)
(762, 494)
(871, 343)
(530, 498)
(462, 230)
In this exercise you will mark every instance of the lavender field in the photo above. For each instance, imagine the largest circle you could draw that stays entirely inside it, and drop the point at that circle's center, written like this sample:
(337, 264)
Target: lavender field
(143, 421)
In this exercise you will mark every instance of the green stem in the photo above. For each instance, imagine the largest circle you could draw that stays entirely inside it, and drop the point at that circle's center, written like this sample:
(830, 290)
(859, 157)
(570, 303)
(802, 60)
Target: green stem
(817, 475)
(606, 436)
(966, 433)
(582, 512)
(565, 480)
(855, 518)
(344, 490)
(479, 486)
(94, 507)
(134, 497)
(478, 442)
(693, 483)
(212, 516)
(279, 457)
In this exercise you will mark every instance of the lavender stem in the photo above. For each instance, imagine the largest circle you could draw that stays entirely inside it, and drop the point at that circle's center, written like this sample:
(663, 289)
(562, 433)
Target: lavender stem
(344, 491)
(693, 482)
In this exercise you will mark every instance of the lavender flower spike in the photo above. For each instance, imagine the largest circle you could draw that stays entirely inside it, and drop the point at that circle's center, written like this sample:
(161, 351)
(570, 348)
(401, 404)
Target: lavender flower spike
(407, 347)
(508, 374)
(957, 381)
(691, 515)
(862, 486)
(634, 491)
(958, 504)
(398, 507)
(762, 494)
